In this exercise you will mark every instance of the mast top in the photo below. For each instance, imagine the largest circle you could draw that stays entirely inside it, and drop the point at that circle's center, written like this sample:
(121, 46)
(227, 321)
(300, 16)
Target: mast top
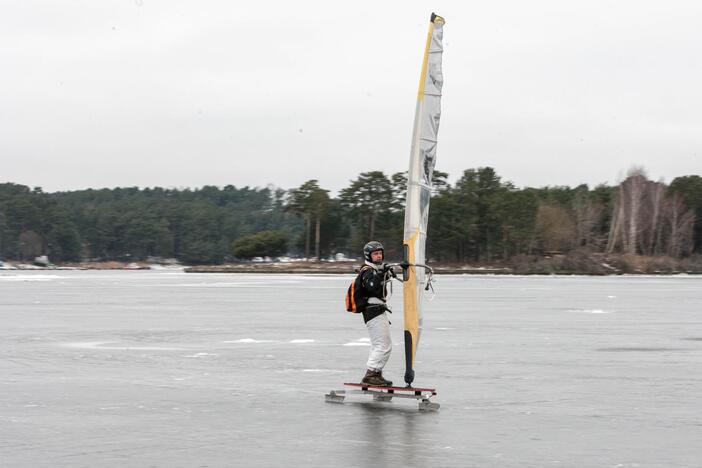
(436, 19)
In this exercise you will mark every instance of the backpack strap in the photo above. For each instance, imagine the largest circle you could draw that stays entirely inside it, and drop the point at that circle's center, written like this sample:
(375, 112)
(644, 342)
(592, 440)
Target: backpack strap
(353, 293)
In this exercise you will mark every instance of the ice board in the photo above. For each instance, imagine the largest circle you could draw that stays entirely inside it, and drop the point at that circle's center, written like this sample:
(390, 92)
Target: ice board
(386, 394)
(415, 390)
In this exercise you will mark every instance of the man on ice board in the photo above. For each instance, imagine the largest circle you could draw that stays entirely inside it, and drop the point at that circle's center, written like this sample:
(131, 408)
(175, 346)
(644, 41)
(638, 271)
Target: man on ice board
(368, 295)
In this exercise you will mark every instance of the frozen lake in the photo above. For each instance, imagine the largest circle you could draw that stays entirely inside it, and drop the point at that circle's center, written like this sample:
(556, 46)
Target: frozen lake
(159, 368)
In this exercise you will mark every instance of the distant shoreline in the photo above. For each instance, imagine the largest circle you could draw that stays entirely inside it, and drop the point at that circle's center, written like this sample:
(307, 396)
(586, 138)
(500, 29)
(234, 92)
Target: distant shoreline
(576, 263)
(439, 269)
(580, 264)
(326, 268)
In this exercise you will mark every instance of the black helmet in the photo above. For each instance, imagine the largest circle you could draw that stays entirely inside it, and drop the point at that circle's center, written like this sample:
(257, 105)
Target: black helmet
(371, 247)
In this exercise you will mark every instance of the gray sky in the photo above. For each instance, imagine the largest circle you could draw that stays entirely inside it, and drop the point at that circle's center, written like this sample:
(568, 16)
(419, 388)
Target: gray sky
(185, 94)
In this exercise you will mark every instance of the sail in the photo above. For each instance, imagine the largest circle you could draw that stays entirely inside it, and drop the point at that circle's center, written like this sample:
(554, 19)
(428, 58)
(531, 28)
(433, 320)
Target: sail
(421, 167)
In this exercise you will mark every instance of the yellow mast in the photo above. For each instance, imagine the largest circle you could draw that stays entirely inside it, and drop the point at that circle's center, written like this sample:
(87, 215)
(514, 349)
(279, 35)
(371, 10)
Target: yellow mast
(422, 159)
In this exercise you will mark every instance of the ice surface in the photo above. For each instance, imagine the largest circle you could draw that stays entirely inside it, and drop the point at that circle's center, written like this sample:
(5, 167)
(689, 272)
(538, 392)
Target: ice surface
(590, 311)
(28, 277)
(111, 345)
(249, 340)
(122, 369)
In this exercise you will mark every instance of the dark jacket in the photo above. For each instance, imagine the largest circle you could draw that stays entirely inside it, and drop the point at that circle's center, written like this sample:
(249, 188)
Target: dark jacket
(374, 285)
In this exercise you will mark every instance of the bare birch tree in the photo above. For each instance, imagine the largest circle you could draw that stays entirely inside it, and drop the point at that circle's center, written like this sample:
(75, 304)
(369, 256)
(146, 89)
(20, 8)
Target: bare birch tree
(645, 219)
(681, 222)
(654, 230)
(626, 220)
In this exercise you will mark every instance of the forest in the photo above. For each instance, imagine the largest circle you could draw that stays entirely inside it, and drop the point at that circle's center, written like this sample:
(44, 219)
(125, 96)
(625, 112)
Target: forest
(480, 218)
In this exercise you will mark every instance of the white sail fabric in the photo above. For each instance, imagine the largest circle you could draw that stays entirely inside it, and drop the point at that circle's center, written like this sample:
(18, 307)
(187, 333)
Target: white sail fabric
(422, 160)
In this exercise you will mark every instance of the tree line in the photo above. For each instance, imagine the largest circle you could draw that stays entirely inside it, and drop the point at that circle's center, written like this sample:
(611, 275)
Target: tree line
(479, 218)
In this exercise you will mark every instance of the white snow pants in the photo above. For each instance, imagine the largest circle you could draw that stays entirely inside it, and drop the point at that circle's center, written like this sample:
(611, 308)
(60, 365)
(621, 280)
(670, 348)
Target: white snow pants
(380, 341)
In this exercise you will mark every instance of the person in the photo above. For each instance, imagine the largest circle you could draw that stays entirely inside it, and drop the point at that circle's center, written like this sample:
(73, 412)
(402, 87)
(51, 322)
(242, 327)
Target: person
(374, 276)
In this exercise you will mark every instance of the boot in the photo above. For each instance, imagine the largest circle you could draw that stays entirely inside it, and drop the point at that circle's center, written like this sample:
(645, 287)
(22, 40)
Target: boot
(375, 378)
(388, 383)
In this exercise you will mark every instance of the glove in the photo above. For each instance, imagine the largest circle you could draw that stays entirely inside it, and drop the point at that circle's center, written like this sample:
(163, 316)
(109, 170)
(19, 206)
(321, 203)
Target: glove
(388, 269)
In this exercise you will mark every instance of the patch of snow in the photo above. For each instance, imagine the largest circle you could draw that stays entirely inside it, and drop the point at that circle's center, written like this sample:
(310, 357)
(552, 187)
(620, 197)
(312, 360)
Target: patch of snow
(101, 345)
(29, 278)
(159, 266)
(590, 311)
(249, 340)
(359, 342)
(199, 355)
(27, 266)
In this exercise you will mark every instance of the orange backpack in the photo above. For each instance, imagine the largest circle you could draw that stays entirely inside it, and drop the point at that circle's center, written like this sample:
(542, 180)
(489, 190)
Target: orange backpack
(355, 299)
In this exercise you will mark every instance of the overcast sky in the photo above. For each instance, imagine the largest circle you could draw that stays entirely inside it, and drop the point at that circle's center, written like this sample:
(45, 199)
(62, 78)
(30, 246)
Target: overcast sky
(183, 94)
